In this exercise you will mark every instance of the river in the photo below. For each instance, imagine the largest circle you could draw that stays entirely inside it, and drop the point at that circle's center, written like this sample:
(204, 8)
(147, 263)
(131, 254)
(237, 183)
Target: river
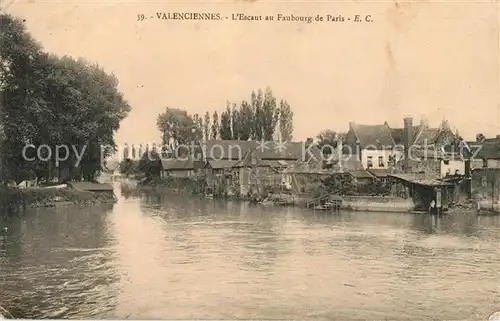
(176, 257)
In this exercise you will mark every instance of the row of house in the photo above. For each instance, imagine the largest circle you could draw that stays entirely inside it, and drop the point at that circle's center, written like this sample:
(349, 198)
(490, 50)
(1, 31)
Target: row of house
(243, 167)
(415, 154)
(430, 160)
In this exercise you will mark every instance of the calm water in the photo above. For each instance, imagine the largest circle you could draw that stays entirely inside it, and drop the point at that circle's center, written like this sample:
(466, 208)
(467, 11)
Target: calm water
(180, 258)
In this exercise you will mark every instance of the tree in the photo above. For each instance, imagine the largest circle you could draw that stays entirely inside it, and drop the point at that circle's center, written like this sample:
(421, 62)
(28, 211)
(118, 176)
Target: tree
(327, 141)
(225, 124)
(256, 103)
(54, 101)
(215, 125)
(178, 127)
(246, 121)
(150, 164)
(285, 121)
(235, 123)
(480, 138)
(206, 126)
(269, 115)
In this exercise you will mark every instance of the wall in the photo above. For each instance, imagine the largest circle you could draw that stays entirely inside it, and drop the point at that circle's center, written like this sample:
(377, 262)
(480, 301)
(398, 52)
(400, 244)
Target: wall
(431, 167)
(493, 163)
(377, 204)
(375, 154)
(452, 166)
(485, 184)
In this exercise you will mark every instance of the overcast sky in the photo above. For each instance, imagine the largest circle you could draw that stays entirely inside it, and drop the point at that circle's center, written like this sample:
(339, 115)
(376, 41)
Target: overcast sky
(423, 57)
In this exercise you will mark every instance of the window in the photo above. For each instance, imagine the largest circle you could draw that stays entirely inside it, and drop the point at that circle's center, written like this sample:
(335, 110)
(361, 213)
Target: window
(369, 162)
(381, 161)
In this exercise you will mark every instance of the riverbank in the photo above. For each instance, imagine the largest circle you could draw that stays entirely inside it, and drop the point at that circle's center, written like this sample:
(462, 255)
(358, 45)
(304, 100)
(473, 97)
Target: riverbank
(12, 199)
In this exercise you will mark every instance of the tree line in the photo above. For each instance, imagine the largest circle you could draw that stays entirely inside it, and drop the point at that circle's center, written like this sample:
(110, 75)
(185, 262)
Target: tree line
(53, 101)
(260, 118)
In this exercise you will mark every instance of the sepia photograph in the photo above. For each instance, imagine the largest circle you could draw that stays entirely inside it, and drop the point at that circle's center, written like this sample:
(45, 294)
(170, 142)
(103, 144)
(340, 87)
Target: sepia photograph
(250, 160)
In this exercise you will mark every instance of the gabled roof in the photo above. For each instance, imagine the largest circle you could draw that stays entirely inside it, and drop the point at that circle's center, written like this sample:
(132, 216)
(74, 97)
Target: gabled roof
(380, 172)
(374, 136)
(220, 164)
(398, 134)
(427, 136)
(489, 151)
(362, 173)
(177, 164)
(266, 150)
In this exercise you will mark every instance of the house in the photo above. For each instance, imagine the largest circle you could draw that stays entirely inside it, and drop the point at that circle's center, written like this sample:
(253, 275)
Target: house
(179, 168)
(422, 135)
(372, 144)
(423, 190)
(487, 155)
(381, 174)
(243, 166)
(428, 149)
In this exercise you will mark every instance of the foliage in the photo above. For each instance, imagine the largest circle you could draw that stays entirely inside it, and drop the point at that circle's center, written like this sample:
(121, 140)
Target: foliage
(259, 119)
(225, 124)
(129, 167)
(206, 126)
(178, 127)
(235, 123)
(54, 101)
(150, 164)
(215, 125)
(327, 141)
(285, 121)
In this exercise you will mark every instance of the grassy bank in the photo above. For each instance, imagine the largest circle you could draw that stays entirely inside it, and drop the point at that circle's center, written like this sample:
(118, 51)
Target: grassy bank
(12, 199)
(181, 185)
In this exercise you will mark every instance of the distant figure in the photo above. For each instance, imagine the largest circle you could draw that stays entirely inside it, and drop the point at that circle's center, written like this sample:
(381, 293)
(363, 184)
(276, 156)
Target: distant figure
(432, 206)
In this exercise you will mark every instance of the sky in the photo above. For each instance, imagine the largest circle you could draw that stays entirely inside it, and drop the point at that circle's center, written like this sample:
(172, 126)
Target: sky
(433, 58)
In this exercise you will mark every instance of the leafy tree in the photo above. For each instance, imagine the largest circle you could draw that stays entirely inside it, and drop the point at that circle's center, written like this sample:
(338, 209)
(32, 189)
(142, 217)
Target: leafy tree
(235, 122)
(225, 124)
(257, 101)
(269, 115)
(327, 140)
(480, 138)
(54, 101)
(215, 125)
(246, 121)
(285, 121)
(177, 126)
(150, 164)
(128, 167)
(206, 126)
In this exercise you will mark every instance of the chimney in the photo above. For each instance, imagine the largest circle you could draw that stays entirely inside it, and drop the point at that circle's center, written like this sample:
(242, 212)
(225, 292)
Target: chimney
(408, 140)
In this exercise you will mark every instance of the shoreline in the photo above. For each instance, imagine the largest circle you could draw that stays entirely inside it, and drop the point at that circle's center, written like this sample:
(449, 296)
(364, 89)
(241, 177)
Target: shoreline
(359, 203)
(14, 199)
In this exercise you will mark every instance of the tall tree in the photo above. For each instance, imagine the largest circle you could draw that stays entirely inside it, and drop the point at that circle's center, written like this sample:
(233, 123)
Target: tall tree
(225, 123)
(269, 115)
(257, 100)
(246, 121)
(206, 126)
(53, 101)
(215, 125)
(177, 126)
(285, 121)
(235, 122)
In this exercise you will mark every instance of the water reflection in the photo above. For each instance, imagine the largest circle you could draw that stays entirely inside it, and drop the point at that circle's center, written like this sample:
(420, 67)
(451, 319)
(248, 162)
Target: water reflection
(52, 251)
(159, 256)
